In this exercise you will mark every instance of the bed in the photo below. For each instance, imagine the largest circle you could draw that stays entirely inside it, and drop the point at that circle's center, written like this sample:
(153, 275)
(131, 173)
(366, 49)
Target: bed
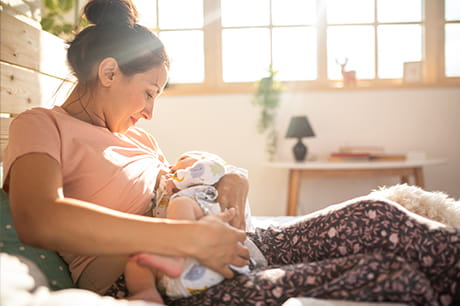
(32, 68)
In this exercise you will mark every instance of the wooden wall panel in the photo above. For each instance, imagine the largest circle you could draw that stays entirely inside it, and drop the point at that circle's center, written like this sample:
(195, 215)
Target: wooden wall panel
(26, 46)
(21, 89)
(32, 68)
(4, 124)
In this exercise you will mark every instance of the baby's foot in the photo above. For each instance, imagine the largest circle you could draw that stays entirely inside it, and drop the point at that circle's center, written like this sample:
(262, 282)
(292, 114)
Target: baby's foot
(171, 266)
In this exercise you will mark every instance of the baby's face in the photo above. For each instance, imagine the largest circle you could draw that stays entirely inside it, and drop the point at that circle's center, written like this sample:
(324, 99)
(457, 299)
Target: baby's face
(186, 160)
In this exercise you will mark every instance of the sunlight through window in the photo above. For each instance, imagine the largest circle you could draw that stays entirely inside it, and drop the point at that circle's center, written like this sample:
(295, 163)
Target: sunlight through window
(306, 41)
(246, 54)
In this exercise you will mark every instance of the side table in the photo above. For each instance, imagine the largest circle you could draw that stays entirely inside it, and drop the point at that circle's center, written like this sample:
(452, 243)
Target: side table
(323, 169)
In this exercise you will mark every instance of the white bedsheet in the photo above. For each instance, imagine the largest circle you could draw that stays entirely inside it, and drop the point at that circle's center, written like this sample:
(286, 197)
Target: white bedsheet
(266, 221)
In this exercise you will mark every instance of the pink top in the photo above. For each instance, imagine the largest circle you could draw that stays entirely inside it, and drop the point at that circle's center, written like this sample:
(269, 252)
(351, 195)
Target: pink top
(115, 170)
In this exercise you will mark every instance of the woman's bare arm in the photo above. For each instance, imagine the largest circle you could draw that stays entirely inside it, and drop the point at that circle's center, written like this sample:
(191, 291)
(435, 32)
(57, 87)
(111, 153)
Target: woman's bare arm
(45, 218)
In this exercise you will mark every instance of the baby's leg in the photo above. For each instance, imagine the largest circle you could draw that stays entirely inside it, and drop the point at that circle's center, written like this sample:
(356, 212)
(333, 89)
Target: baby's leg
(141, 283)
(184, 208)
(181, 208)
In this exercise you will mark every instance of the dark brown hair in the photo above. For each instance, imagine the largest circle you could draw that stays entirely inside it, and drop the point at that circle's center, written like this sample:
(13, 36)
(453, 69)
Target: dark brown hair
(114, 33)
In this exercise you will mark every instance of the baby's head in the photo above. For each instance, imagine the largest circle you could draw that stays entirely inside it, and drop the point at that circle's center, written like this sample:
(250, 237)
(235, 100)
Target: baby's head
(189, 158)
(196, 167)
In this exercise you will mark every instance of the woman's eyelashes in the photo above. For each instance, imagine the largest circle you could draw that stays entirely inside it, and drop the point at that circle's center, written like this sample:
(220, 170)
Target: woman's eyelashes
(149, 95)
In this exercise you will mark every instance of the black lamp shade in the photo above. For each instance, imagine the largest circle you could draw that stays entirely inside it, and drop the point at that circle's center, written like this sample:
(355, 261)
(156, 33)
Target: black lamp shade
(299, 128)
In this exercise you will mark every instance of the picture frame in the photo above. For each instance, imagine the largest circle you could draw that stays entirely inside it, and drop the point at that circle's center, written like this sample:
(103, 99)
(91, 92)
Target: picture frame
(412, 72)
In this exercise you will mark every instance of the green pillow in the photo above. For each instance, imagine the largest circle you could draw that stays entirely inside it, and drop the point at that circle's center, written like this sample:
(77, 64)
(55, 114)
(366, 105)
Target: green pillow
(50, 263)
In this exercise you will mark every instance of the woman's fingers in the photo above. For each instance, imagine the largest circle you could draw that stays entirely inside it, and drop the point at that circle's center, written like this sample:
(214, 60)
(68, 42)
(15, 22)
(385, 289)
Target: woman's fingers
(243, 252)
(240, 262)
(226, 272)
(227, 215)
(221, 245)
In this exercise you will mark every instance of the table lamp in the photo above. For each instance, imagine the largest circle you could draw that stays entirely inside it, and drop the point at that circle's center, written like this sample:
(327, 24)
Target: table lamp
(299, 128)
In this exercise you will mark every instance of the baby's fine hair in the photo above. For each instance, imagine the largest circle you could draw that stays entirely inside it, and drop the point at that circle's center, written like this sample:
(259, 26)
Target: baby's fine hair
(206, 155)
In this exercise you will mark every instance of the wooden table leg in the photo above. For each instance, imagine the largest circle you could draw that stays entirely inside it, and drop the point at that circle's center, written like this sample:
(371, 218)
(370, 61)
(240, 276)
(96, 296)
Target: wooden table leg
(293, 192)
(404, 179)
(419, 180)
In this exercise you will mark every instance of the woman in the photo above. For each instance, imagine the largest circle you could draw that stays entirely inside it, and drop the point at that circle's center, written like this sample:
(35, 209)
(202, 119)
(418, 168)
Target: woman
(81, 176)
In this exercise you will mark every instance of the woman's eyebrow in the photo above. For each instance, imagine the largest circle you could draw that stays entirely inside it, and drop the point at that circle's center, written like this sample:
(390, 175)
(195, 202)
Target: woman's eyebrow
(160, 89)
(155, 84)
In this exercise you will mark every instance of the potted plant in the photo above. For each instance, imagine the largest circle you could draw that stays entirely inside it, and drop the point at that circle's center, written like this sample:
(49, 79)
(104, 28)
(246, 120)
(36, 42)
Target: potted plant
(267, 99)
(54, 20)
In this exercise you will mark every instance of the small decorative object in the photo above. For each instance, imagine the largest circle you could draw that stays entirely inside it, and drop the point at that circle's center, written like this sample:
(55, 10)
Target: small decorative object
(349, 77)
(299, 128)
(267, 98)
(412, 72)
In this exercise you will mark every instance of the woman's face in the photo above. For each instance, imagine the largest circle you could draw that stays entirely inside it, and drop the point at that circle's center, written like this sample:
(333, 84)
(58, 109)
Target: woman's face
(133, 97)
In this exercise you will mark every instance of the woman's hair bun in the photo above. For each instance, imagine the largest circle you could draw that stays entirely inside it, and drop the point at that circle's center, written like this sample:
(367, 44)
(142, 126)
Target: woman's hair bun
(111, 12)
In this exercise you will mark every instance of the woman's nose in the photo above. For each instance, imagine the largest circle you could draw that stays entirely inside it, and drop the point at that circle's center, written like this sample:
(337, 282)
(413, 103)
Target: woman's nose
(148, 110)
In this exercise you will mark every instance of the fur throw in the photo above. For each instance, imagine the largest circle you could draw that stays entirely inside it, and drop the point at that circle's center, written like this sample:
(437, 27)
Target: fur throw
(433, 205)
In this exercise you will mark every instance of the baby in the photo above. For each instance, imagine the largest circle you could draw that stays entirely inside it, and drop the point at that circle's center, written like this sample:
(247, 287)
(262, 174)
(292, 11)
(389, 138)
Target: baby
(187, 193)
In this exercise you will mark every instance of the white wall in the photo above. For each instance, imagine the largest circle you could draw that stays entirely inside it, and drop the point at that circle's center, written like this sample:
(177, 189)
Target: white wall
(400, 120)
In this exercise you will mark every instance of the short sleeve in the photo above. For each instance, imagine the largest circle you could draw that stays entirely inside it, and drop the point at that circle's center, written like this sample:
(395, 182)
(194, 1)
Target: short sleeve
(33, 131)
(237, 170)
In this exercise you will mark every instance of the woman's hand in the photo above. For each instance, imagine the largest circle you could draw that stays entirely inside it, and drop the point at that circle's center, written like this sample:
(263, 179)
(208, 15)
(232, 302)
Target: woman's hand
(218, 244)
(212, 242)
(233, 191)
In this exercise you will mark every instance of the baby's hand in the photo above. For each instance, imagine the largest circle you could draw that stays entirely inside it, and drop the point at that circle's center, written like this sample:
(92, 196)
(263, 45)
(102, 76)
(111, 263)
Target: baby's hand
(170, 187)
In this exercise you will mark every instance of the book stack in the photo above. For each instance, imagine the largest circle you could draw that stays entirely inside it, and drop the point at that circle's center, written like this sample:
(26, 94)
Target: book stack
(364, 153)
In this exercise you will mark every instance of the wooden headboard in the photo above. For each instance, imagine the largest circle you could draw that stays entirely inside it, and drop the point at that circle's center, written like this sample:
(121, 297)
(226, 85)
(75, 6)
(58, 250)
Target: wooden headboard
(32, 67)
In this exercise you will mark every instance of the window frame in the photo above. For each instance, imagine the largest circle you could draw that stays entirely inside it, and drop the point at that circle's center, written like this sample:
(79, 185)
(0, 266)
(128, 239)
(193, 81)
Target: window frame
(433, 25)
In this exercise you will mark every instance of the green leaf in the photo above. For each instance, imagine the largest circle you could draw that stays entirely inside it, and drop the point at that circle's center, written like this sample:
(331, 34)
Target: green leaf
(67, 28)
(50, 4)
(47, 23)
(65, 5)
(57, 29)
(267, 99)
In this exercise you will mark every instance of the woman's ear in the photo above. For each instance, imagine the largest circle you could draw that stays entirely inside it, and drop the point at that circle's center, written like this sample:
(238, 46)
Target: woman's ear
(108, 67)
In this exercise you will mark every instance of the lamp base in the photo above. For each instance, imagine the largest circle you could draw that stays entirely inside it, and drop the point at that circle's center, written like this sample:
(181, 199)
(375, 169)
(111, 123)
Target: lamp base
(299, 150)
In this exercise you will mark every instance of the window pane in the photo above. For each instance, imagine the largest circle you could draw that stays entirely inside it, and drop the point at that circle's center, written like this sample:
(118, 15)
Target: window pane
(147, 10)
(180, 14)
(294, 53)
(246, 54)
(452, 50)
(293, 12)
(237, 13)
(187, 55)
(355, 43)
(398, 44)
(452, 9)
(399, 10)
(350, 11)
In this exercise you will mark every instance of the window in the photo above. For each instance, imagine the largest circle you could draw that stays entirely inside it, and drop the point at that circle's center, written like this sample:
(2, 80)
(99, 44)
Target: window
(226, 45)
(452, 38)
